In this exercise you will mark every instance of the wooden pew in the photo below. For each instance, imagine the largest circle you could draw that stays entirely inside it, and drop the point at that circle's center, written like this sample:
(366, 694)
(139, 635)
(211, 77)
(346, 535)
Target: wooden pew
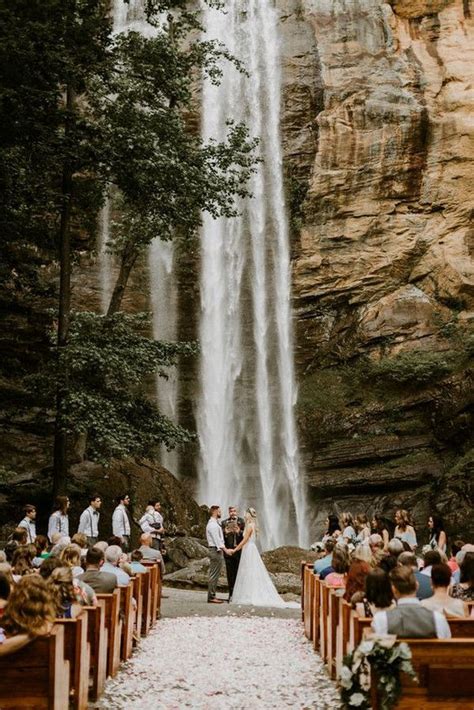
(113, 624)
(333, 623)
(445, 671)
(461, 628)
(308, 586)
(155, 588)
(138, 583)
(37, 676)
(316, 602)
(147, 603)
(128, 621)
(98, 640)
(77, 653)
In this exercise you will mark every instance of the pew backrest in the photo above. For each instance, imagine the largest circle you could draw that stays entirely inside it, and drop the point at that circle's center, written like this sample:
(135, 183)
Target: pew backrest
(77, 652)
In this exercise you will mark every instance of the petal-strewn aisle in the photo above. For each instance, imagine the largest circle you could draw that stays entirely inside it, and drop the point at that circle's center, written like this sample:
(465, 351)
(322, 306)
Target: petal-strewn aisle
(226, 662)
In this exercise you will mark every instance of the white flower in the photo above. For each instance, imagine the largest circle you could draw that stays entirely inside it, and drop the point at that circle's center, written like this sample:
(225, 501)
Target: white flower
(346, 677)
(385, 640)
(364, 680)
(366, 647)
(404, 651)
(356, 699)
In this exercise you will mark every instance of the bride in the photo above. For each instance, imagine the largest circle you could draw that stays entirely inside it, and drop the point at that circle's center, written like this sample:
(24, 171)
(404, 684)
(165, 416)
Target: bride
(253, 584)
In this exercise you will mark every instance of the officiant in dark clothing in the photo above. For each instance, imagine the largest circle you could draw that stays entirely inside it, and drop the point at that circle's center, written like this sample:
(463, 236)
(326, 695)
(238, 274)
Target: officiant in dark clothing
(233, 530)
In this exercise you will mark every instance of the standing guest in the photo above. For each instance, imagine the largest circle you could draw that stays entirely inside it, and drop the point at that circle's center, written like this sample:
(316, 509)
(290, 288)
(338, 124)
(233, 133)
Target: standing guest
(233, 531)
(120, 521)
(30, 612)
(404, 531)
(423, 590)
(465, 589)
(409, 619)
(215, 542)
(441, 601)
(378, 594)
(59, 519)
(101, 582)
(337, 575)
(438, 537)
(4, 592)
(41, 545)
(136, 562)
(362, 529)
(113, 555)
(28, 522)
(325, 561)
(332, 526)
(89, 520)
(379, 527)
(359, 569)
(347, 524)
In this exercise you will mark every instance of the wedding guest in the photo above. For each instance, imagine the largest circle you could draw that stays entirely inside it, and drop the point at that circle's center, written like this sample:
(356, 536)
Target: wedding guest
(101, 582)
(465, 588)
(22, 562)
(378, 594)
(4, 592)
(430, 558)
(404, 531)
(347, 524)
(112, 558)
(149, 552)
(441, 601)
(423, 591)
(359, 569)
(41, 545)
(80, 540)
(30, 612)
(376, 545)
(379, 527)
(135, 564)
(438, 537)
(362, 529)
(89, 520)
(28, 522)
(59, 519)
(71, 557)
(325, 561)
(456, 546)
(395, 547)
(409, 619)
(121, 522)
(48, 566)
(64, 594)
(340, 566)
(332, 526)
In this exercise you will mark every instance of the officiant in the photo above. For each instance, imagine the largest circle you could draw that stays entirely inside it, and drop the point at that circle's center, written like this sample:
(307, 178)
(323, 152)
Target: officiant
(233, 530)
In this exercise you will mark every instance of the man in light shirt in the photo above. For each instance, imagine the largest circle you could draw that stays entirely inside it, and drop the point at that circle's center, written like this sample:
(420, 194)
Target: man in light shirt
(120, 521)
(409, 619)
(112, 558)
(215, 541)
(89, 520)
(28, 522)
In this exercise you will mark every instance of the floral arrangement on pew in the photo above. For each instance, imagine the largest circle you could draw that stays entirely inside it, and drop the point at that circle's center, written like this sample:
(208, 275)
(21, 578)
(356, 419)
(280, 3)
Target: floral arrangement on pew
(384, 657)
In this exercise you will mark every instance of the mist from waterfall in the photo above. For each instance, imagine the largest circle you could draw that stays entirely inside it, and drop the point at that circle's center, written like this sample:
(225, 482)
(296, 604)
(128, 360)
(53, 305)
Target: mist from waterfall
(246, 424)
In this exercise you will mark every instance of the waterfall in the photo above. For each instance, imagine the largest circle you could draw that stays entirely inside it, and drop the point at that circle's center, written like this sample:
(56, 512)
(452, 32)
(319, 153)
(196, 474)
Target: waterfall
(249, 448)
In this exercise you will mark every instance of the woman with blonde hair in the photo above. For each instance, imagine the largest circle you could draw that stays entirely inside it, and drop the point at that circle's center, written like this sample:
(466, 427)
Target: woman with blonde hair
(404, 530)
(63, 593)
(30, 612)
(71, 556)
(253, 584)
(363, 528)
(347, 525)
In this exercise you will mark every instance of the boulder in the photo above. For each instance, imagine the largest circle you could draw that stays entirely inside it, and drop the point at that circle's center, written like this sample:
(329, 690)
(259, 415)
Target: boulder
(181, 550)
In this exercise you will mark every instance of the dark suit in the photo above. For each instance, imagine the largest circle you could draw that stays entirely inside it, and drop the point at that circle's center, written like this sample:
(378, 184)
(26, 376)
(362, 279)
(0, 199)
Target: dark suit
(101, 582)
(233, 530)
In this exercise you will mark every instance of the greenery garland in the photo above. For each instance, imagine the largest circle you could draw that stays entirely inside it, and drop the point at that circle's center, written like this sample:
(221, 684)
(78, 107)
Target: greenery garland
(387, 659)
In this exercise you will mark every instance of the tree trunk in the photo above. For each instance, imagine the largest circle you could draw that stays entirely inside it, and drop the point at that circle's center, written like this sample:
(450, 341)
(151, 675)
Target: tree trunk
(60, 435)
(127, 262)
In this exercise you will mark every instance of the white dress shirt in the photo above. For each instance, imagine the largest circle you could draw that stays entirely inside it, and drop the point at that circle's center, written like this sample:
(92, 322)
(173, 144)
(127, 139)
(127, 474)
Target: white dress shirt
(58, 522)
(120, 521)
(89, 522)
(30, 527)
(214, 534)
(380, 621)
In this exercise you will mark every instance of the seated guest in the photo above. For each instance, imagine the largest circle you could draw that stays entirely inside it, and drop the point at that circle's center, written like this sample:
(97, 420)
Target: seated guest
(101, 545)
(377, 546)
(339, 568)
(378, 594)
(59, 542)
(456, 546)
(430, 558)
(465, 589)
(438, 537)
(30, 612)
(332, 526)
(148, 552)
(325, 561)
(395, 547)
(48, 566)
(4, 592)
(388, 563)
(101, 582)
(441, 601)
(41, 545)
(135, 564)
(64, 594)
(80, 540)
(409, 619)
(70, 556)
(358, 571)
(22, 562)
(424, 591)
(112, 558)
(404, 531)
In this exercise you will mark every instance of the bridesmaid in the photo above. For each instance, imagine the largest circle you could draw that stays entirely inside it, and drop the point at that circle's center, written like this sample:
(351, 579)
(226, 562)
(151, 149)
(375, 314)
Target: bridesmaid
(404, 530)
(438, 537)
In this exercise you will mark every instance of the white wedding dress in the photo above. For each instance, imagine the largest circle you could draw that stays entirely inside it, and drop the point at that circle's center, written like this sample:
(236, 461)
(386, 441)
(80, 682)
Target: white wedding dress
(253, 584)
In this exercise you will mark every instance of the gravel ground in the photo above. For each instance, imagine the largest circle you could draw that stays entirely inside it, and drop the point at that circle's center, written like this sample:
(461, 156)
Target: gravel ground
(222, 658)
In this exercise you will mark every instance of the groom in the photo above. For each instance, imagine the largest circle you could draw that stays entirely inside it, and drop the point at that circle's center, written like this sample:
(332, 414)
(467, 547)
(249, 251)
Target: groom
(233, 529)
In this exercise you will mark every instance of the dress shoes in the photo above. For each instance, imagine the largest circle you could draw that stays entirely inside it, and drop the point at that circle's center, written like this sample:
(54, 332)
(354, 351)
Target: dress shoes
(215, 601)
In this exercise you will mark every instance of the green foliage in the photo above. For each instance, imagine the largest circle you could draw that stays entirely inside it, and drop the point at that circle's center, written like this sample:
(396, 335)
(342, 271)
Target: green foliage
(107, 361)
(415, 368)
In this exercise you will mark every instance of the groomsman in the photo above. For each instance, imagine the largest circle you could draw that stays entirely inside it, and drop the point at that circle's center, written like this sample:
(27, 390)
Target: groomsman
(120, 521)
(28, 523)
(89, 520)
(233, 530)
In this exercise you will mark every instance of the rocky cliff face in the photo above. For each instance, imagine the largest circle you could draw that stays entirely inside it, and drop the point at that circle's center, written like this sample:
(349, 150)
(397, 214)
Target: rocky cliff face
(378, 130)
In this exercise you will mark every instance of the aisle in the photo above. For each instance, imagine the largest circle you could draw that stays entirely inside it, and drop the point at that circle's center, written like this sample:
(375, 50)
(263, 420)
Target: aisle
(231, 659)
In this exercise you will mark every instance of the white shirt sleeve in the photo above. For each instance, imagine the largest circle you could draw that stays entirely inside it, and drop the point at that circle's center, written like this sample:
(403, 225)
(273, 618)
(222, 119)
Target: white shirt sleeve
(52, 526)
(83, 521)
(117, 522)
(380, 623)
(442, 627)
(215, 538)
(144, 524)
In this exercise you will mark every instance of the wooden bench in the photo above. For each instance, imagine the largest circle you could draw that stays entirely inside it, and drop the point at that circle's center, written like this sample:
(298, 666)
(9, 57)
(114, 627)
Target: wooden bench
(128, 620)
(154, 569)
(147, 603)
(77, 653)
(113, 624)
(138, 583)
(36, 676)
(98, 640)
(307, 600)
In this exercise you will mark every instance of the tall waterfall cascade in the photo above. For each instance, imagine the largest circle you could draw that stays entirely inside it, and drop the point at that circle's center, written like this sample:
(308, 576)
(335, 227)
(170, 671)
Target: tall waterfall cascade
(246, 421)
